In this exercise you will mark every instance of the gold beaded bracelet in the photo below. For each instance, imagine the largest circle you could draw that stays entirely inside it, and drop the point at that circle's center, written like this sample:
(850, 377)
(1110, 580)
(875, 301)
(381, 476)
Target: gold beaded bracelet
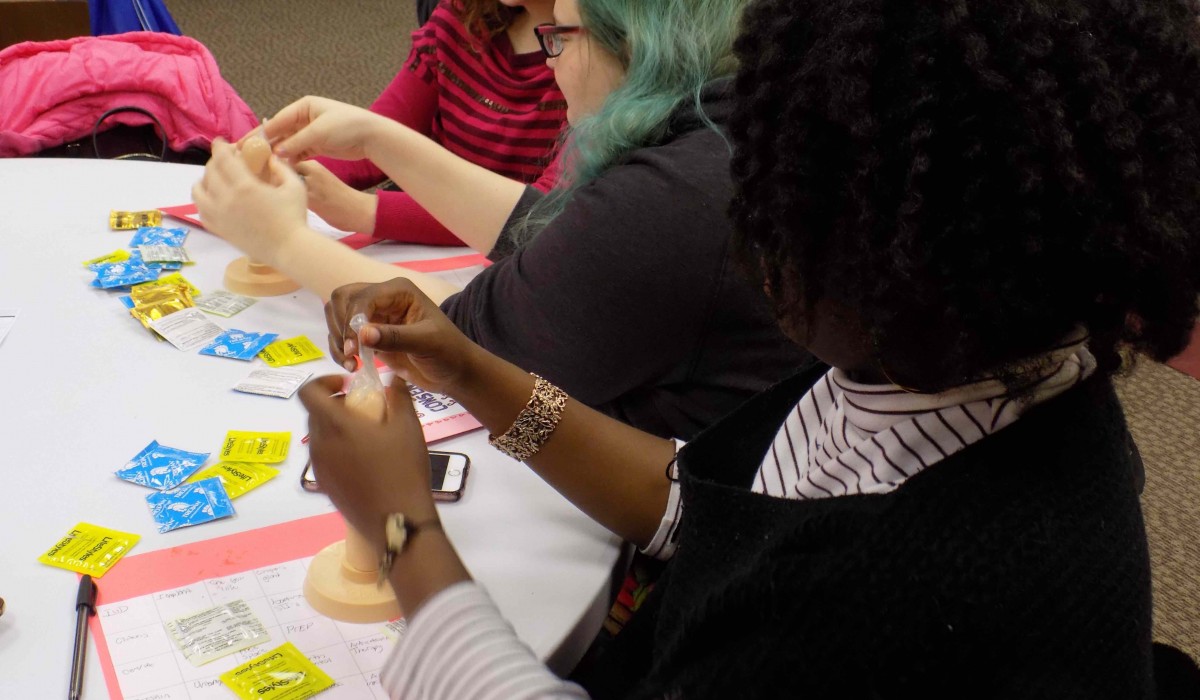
(535, 424)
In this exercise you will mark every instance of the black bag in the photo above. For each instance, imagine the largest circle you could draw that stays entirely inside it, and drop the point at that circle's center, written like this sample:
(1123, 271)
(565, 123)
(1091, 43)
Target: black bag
(121, 142)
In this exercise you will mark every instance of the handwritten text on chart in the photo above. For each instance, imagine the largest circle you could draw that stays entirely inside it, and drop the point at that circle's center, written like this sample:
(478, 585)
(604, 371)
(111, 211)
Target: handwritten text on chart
(147, 666)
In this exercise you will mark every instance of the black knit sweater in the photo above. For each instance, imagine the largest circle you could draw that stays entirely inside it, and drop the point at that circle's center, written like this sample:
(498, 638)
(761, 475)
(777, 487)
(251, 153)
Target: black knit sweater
(1016, 568)
(630, 300)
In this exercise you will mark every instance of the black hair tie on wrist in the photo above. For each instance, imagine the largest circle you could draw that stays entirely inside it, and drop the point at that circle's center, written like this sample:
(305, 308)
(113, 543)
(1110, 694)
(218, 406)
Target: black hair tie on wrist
(672, 470)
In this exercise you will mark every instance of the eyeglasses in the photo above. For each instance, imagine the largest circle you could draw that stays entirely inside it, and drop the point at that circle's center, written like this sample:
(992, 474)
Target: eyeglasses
(550, 37)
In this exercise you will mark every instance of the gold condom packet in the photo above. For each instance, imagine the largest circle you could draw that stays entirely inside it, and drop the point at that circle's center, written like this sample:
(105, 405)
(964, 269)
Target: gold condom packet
(148, 313)
(163, 292)
(121, 220)
(173, 278)
(152, 303)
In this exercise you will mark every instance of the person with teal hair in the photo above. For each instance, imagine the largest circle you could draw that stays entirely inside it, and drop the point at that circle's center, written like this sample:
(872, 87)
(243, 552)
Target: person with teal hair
(683, 45)
(618, 284)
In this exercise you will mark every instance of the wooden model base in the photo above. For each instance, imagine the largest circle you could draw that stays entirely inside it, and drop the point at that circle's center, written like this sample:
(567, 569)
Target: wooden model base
(244, 276)
(341, 583)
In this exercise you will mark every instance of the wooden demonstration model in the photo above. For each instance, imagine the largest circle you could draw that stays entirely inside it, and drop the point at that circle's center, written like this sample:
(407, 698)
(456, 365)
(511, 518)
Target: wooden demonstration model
(343, 579)
(245, 276)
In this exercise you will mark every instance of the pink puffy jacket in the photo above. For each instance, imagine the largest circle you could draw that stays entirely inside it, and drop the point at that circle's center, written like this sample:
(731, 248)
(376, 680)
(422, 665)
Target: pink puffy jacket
(52, 92)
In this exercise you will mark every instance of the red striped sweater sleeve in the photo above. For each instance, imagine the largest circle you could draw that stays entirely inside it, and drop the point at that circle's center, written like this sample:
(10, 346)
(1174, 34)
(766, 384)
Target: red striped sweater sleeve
(408, 99)
(398, 217)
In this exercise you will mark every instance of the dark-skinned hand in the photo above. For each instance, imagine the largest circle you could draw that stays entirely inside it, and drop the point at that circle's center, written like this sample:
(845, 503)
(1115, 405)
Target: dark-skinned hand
(407, 330)
(368, 468)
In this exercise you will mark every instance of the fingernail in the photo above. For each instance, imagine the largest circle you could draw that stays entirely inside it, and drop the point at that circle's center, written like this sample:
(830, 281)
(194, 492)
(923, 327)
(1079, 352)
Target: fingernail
(348, 347)
(349, 365)
(369, 334)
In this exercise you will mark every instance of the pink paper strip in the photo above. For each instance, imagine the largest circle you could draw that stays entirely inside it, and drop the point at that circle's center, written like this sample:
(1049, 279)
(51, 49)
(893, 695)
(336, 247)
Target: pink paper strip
(142, 574)
(457, 262)
(358, 241)
(183, 212)
(449, 427)
(188, 212)
(442, 428)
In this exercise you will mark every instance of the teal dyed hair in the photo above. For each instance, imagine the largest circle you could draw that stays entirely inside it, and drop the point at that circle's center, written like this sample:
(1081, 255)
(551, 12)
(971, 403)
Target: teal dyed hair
(669, 49)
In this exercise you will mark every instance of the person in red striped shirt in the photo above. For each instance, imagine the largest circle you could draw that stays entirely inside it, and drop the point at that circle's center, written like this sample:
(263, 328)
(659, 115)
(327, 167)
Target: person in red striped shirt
(476, 83)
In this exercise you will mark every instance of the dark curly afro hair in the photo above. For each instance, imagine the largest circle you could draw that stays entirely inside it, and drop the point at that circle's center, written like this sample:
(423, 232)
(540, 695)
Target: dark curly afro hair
(975, 178)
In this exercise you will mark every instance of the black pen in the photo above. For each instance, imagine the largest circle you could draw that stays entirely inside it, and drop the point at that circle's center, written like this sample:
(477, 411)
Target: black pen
(85, 606)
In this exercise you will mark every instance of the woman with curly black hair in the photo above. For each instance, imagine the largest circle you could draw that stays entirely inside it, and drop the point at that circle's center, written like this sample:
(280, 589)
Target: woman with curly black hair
(971, 211)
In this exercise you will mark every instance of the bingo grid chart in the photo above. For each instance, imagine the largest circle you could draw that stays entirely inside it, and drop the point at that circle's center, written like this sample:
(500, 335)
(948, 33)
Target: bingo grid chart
(149, 666)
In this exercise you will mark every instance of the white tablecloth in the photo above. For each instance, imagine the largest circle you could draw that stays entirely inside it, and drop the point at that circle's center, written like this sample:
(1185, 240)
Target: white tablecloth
(85, 388)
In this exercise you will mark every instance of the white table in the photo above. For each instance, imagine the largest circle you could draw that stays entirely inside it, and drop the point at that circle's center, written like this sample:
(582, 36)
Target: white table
(85, 388)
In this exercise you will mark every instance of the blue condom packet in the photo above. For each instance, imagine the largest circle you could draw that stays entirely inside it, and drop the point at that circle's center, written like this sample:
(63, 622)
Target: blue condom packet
(161, 467)
(157, 235)
(239, 345)
(122, 274)
(190, 504)
(126, 301)
(136, 255)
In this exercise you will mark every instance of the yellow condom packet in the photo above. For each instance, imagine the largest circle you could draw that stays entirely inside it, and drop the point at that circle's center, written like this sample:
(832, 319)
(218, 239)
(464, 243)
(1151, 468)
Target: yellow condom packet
(238, 477)
(280, 674)
(121, 220)
(120, 255)
(173, 278)
(243, 446)
(90, 549)
(292, 351)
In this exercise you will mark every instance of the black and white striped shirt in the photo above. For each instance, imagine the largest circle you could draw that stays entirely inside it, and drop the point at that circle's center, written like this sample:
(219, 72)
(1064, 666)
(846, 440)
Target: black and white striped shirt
(842, 438)
(847, 438)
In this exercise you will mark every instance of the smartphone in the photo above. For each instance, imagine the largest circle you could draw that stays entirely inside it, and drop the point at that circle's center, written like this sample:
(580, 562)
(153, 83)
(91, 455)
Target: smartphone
(447, 472)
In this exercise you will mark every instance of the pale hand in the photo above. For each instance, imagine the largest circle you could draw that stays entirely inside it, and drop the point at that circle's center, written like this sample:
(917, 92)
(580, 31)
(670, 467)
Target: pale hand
(340, 205)
(317, 126)
(256, 216)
